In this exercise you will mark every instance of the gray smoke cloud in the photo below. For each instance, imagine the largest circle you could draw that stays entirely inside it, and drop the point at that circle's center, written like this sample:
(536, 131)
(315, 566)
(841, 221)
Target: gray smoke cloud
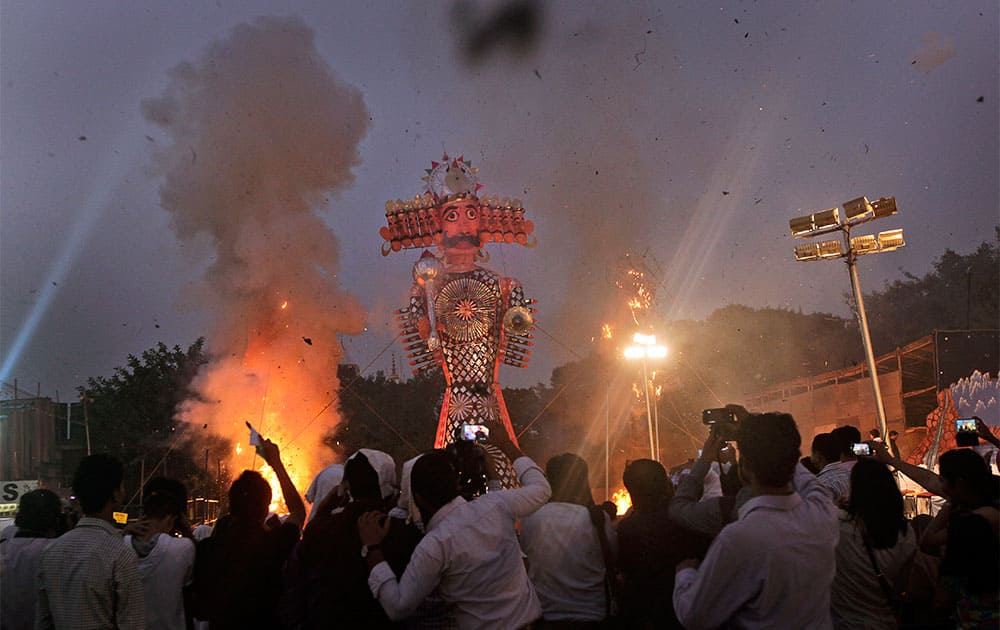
(261, 133)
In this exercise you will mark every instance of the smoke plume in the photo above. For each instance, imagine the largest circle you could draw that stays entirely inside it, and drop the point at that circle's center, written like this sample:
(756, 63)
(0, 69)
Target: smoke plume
(262, 132)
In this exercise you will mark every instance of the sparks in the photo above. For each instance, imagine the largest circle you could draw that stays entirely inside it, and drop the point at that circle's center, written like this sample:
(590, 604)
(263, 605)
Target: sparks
(284, 305)
(606, 331)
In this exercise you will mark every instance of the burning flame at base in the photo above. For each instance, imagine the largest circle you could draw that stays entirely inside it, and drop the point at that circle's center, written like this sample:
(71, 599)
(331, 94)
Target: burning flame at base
(622, 501)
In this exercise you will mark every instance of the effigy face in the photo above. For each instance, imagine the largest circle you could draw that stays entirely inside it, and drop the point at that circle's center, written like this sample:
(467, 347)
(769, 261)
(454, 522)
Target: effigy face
(460, 220)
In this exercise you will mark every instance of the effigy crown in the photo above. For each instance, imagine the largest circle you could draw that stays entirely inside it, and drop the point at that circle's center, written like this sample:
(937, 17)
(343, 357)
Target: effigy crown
(416, 223)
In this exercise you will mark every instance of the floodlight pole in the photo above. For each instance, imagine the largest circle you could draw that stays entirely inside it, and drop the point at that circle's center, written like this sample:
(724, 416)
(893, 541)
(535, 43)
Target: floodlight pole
(656, 421)
(866, 340)
(607, 440)
(649, 413)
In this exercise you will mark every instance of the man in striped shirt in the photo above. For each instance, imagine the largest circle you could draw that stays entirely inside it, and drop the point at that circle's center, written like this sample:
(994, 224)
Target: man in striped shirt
(88, 577)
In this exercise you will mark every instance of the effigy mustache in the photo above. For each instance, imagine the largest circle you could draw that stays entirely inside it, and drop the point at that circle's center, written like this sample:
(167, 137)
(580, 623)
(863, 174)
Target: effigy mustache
(459, 239)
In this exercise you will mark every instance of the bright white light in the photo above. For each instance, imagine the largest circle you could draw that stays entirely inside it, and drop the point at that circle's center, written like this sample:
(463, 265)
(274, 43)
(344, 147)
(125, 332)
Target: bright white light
(645, 352)
(644, 340)
(635, 352)
(656, 352)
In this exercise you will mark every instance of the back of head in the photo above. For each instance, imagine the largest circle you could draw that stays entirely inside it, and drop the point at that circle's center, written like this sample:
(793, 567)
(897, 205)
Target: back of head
(570, 479)
(964, 468)
(769, 447)
(362, 478)
(434, 478)
(249, 497)
(846, 436)
(876, 500)
(163, 497)
(385, 467)
(95, 481)
(470, 463)
(647, 482)
(827, 446)
(39, 513)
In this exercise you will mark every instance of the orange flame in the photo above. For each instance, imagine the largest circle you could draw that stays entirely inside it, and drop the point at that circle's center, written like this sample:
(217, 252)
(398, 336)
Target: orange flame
(284, 305)
(622, 501)
(277, 501)
(606, 331)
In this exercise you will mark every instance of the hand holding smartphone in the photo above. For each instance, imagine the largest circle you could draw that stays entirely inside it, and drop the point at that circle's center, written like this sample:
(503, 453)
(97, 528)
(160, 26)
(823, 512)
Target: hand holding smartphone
(966, 432)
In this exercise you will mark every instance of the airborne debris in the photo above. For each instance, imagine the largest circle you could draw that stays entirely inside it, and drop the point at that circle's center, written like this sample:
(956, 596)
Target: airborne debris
(307, 340)
(980, 99)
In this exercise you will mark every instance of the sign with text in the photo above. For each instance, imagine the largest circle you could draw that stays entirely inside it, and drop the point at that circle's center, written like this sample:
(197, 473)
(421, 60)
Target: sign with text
(11, 491)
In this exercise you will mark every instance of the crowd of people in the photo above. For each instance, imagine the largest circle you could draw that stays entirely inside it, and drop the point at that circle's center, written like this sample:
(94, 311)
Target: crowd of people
(745, 536)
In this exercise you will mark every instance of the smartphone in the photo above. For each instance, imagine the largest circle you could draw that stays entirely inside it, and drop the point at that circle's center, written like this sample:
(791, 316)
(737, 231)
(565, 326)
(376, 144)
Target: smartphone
(861, 449)
(718, 416)
(965, 432)
(475, 432)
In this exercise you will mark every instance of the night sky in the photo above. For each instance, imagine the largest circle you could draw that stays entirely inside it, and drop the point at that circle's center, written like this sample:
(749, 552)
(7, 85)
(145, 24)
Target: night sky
(691, 131)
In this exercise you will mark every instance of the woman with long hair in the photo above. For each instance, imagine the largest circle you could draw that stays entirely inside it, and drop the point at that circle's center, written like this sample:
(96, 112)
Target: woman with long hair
(875, 551)
(570, 546)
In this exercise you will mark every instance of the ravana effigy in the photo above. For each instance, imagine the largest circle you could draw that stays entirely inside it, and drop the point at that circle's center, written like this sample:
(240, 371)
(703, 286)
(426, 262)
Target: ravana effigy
(462, 317)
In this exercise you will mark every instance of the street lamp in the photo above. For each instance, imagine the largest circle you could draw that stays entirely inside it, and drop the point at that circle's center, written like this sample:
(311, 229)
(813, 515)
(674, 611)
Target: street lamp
(644, 347)
(856, 212)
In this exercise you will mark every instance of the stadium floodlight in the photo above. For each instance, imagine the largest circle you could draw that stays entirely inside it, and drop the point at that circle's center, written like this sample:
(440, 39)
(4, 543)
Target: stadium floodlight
(856, 212)
(822, 222)
(819, 251)
(891, 240)
(867, 244)
(884, 242)
(807, 251)
(831, 249)
(884, 207)
(801, 226)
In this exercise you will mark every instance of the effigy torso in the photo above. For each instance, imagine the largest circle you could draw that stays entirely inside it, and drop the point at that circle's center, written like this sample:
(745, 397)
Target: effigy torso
(469, 308)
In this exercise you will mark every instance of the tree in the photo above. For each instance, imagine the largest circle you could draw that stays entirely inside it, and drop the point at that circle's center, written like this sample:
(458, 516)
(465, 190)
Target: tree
(131, 416)
(959, 293)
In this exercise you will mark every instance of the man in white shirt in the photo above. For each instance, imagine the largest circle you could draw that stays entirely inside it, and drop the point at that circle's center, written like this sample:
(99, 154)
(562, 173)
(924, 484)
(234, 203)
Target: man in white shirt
(567, 559)
(836, 475)
(470, 551)
(772, 568)
(166, 562)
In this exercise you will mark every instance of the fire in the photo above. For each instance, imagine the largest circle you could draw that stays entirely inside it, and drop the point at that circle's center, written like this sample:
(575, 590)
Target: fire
(606, 331)
(284, 305)
(277, 502)
(622, 501)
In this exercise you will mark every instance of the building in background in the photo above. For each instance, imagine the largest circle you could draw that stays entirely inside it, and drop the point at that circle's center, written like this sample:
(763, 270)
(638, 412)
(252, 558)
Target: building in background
(947, 374)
